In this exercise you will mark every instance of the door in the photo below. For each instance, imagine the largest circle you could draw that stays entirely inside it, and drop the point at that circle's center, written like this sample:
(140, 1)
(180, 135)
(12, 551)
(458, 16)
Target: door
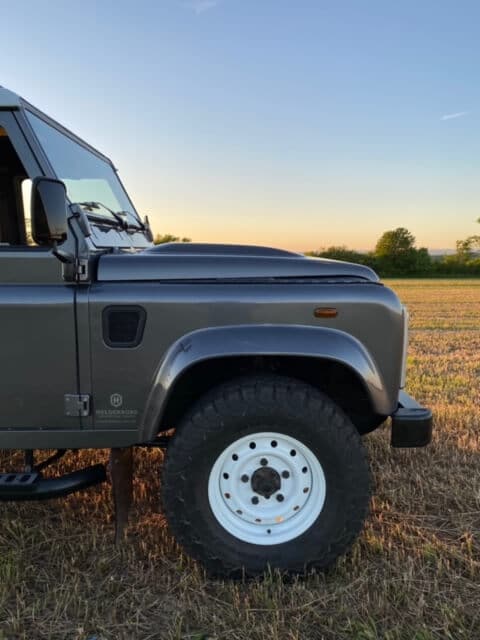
(38, 356)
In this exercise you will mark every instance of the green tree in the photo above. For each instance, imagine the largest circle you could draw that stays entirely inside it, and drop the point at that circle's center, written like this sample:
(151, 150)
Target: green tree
(345, 254)
(162, 238)
(396, 253)
(424, 261)
(338, 253)
(394, 243)
(466, 248)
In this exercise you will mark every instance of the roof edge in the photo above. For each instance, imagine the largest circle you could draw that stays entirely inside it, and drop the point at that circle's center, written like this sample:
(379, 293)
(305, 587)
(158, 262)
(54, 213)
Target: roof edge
(9, 100)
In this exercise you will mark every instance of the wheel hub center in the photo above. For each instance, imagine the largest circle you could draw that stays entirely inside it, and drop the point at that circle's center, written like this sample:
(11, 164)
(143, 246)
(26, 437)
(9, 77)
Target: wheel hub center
(265, 481)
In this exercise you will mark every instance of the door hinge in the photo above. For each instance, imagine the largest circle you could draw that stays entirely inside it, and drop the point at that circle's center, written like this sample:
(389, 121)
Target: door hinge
(76, 271)
(76, 405)
(81, 269)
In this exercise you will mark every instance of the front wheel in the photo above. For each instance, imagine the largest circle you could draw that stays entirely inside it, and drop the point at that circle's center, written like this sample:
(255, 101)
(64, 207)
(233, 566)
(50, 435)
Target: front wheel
(265, 472)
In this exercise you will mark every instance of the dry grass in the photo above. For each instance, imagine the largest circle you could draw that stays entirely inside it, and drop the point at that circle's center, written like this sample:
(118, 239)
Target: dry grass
(414, 573)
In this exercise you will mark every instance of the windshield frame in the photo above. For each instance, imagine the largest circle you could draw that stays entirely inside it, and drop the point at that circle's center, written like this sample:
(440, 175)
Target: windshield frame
(29, 108)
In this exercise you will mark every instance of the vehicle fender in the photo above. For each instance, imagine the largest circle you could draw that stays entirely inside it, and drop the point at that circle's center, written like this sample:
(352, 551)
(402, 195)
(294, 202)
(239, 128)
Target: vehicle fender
(260, 340)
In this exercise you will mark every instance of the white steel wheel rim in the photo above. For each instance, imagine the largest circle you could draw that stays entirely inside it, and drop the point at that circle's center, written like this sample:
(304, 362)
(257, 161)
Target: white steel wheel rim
(266, 488)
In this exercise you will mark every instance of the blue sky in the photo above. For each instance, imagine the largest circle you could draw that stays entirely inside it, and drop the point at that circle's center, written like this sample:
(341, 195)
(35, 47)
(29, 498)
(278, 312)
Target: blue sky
(294, 123)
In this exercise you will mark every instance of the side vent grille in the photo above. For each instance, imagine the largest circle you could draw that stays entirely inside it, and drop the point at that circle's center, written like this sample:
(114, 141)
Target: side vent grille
(123, 326)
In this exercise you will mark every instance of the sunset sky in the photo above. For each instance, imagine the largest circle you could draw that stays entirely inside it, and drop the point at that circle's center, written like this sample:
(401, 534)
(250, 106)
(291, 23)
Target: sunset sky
(292, 123)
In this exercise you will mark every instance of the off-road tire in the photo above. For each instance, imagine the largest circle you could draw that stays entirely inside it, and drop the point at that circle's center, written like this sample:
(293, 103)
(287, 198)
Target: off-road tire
(250, 406)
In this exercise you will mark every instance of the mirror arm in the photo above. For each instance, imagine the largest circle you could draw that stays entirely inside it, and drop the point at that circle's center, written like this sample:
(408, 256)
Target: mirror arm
(148, 229)
(64, 256)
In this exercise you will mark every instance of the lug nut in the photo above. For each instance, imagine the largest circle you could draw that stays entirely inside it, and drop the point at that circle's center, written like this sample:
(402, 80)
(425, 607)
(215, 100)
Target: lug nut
(285, 474)
(254, 500)
(264, 462)
(280, 497)
(244, 478)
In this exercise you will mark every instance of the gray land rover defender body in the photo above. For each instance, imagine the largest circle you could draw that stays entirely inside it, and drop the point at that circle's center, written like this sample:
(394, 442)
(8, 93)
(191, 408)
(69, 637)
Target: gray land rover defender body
(257, 369)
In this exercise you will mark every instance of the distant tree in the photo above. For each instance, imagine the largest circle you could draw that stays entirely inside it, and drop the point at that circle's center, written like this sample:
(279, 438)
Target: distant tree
(168, 237)
(423, 262)
(394, 243)
(345, 254)
(338, 253)
(465, 261)
(466, 249)
(396, 253)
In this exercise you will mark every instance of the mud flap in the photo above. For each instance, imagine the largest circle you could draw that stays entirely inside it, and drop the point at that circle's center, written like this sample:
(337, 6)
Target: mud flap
(121, 471)
(411, 423)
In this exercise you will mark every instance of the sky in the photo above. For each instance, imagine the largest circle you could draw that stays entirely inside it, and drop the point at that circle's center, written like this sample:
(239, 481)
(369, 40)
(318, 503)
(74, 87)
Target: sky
(291, 123)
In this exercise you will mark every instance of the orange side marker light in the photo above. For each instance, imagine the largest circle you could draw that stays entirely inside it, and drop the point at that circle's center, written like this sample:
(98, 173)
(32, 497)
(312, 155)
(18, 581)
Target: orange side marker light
(325, 312)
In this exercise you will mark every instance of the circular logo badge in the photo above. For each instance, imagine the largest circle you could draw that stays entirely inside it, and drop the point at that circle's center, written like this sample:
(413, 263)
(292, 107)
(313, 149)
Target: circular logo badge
(116, 400)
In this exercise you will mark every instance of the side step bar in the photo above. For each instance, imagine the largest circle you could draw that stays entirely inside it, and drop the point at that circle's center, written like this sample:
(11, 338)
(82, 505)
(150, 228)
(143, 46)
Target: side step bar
(31, 486)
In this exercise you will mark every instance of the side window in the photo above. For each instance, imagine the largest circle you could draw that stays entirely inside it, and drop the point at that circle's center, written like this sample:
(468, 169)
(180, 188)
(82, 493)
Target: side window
(14, 197)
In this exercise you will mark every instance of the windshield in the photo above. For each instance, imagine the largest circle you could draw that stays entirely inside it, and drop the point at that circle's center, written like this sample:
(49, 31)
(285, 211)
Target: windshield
(87, 177)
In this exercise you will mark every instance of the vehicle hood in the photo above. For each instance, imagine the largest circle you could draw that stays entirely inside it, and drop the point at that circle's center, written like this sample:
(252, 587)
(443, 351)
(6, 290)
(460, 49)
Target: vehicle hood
(189, 262)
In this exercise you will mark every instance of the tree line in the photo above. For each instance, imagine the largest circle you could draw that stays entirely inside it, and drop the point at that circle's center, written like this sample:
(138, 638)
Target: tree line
(396, 254)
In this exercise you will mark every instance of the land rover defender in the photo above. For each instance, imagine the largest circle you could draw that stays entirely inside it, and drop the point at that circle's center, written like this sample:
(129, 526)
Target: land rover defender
(258, 370)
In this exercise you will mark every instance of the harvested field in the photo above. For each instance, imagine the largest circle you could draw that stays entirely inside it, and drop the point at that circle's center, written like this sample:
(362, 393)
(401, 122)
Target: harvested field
(413, 574)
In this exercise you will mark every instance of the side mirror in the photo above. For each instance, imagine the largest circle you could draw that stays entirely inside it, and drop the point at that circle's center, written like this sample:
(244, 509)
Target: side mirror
(49, 212)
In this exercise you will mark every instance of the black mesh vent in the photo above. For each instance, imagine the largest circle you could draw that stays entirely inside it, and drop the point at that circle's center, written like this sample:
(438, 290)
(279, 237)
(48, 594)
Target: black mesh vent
(123, 326)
